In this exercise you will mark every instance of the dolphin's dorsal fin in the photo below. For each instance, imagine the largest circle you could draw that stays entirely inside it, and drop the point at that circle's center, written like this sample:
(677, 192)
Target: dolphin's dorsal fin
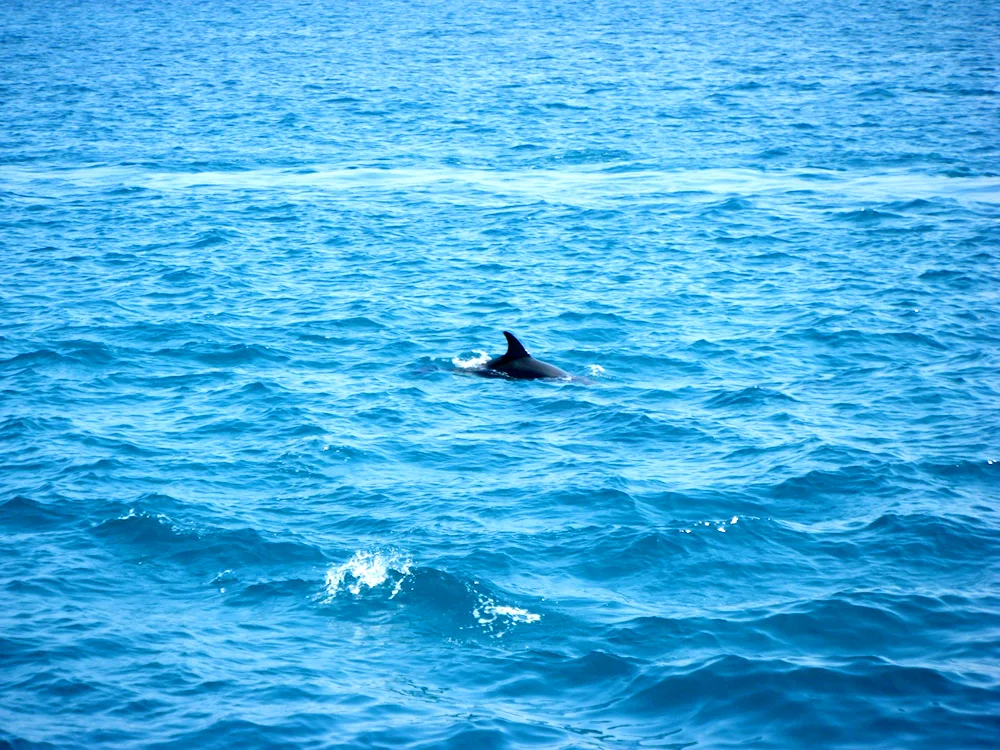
(515, 349)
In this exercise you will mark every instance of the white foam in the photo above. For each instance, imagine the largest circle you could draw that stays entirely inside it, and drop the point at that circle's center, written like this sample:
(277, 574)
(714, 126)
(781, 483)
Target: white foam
(497, 619)
(478, 359)
(517, 614)
(368, 569)
(596, 370)
(226, 576)
(161, 518)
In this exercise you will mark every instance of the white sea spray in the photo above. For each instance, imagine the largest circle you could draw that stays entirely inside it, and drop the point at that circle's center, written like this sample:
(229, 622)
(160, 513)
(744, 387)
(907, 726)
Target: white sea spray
(368, 569)
(478, 359)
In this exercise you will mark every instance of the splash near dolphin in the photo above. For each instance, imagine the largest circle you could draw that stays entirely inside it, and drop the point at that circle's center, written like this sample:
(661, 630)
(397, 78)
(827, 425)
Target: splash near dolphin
(517, 363)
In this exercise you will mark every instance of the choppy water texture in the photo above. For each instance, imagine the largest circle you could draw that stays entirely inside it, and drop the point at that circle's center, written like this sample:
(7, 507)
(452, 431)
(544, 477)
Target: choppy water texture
(250, 497)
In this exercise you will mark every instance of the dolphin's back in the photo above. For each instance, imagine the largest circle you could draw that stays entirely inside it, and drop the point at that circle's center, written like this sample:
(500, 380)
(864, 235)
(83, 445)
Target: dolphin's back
(517, 363)
(529, 368)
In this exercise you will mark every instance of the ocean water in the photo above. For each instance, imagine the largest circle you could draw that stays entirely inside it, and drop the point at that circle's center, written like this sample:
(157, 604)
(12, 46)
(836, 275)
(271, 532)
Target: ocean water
(252, 496)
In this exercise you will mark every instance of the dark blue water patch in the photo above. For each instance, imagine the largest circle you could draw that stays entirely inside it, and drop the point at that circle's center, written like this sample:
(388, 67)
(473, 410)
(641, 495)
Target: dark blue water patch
(212, 238)
(872, 481)
(926, 543)
(688, 696)
(23, 514)
(26, 360)
(775, 152)
(590, 155)
(265, 593)
(729, 205)
(227, 732)
(131, 191)
(111, 445)
(921, 206)
(220, 355)
(748, 86)
(871, 345)
(23, 426)
(156, 537)
(182, 277)
(981, 470)
(748, 397)
(948, 278)
(867, 216)
(791, 630)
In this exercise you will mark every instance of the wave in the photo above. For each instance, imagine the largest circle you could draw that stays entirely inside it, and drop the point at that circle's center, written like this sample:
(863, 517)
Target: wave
(372, 580)
(847, 480)
(221, 355)
(21, 513)
(868, 343)
(770, 692)
(153, 535)
(22, 426)
(213, 238)
(792, 629)
(369, 569)
(751, 396)
(265, 592)
(866, 216)
(29, 359)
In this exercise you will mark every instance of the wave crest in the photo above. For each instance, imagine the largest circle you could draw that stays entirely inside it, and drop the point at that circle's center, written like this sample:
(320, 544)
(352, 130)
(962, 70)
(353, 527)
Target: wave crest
(369, 569)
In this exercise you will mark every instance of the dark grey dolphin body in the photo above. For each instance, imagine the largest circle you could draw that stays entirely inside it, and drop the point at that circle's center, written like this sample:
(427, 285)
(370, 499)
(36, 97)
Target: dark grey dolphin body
(517, 363)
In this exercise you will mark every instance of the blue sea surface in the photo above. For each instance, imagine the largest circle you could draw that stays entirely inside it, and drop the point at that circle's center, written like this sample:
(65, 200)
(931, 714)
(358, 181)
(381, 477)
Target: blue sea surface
(253, 495)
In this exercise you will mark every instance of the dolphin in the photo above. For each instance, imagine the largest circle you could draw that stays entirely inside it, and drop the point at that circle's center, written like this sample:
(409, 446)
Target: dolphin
(517, 363)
